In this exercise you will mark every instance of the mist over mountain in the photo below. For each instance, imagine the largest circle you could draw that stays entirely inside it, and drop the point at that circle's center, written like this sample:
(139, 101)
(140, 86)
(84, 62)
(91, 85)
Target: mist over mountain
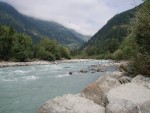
(37, 29)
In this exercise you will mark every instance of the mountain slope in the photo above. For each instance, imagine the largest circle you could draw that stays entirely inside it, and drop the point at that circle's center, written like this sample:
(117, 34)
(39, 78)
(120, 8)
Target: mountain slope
(82, 37)
(108, 38)
(37, 28)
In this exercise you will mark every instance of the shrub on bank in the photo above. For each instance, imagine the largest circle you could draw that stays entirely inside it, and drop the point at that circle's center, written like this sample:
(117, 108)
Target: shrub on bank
(118, 55)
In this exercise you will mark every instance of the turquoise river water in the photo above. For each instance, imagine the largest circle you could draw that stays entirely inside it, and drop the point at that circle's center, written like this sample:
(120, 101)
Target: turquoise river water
(24, 89)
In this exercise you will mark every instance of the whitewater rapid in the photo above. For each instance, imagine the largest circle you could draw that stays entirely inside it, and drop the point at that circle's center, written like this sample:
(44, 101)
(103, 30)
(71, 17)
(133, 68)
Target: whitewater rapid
(23, 89)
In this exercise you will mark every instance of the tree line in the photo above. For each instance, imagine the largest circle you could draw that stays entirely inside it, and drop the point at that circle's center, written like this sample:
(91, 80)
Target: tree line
(138, 46)
(19, 47)
(135, 47)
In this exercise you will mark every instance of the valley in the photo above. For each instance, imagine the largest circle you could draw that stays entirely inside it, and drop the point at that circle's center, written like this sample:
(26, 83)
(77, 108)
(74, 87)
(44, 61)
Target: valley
(46, 67)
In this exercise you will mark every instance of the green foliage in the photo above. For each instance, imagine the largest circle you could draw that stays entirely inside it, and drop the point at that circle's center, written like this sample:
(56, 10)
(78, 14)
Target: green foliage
(108, 55)
(64, 52)
(128, 52)
(14, 45)
(6, 41)
(109, 37)
(141, 34)
(49, 56)
(118, 55)
(50, 50)
(91, 51)
(129, 48)
(112, 45)
(141, 65)
(141, 28)
(38, 28)
(19, 47)
(46, 49)
(40, 53)
(104, 50)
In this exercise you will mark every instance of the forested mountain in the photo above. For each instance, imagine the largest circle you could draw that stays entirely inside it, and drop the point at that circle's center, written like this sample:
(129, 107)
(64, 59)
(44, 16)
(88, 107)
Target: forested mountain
(109, 37)
(9, 16)
(19, 47)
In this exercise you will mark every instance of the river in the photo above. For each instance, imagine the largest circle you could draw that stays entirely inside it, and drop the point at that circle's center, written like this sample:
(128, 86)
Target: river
(24, 89)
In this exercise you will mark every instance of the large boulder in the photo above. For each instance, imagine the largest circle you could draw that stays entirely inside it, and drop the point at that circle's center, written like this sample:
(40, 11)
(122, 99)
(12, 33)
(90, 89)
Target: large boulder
(141, 80)
(92, 92)
(108, 82)
(98, 89)
(71, 104)
(121, 106)
(128, 98)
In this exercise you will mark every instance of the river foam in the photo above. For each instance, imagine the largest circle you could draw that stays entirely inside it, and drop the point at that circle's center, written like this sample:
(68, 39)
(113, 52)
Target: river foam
(15, 79)
(30, 78)
(34, 84)
(63, 75)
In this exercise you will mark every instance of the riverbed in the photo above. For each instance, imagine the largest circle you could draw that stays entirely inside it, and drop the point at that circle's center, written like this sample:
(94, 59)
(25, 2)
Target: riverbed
(23, 89)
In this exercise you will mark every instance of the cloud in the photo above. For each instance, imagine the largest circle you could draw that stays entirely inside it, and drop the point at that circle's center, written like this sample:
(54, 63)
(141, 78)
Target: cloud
(84, 16)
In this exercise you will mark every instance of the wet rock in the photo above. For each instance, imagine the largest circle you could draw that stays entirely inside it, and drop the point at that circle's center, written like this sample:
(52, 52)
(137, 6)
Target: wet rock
(92, 71)
(70, 73)
(123, 67)
(83, 71)
(99, 70)
(93, 65)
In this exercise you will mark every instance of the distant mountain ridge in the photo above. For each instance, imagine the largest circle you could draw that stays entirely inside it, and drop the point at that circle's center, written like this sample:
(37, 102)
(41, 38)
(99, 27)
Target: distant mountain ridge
(36, 28)
(82, 37)
(116, 29)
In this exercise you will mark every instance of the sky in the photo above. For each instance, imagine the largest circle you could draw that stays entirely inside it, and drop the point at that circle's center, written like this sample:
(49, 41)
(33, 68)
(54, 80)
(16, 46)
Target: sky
(84, 16)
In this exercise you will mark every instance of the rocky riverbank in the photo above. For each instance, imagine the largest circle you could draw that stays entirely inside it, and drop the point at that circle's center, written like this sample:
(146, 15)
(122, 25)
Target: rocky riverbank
(38, 62)
(111, 93)
(12, 64)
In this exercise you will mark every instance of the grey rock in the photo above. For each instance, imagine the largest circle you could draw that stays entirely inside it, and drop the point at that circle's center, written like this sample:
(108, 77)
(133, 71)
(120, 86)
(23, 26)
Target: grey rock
(92, 92)
(70, 73)
(141, 80)
(71, 104)
(83, 71)
(121, 106)
(107, 82)
(98, 89)
(128, 98)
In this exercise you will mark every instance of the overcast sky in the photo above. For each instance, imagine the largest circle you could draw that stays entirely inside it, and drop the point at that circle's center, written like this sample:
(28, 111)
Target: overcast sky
(84, 16)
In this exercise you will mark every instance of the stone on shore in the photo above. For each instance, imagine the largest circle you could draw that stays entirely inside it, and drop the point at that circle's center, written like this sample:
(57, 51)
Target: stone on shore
(83, 71)
(121, 106)
(92, 92)
(139, 79)
(108, 82)
(71, 104)
(98, 89)
(128, 98)
(112, 93)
